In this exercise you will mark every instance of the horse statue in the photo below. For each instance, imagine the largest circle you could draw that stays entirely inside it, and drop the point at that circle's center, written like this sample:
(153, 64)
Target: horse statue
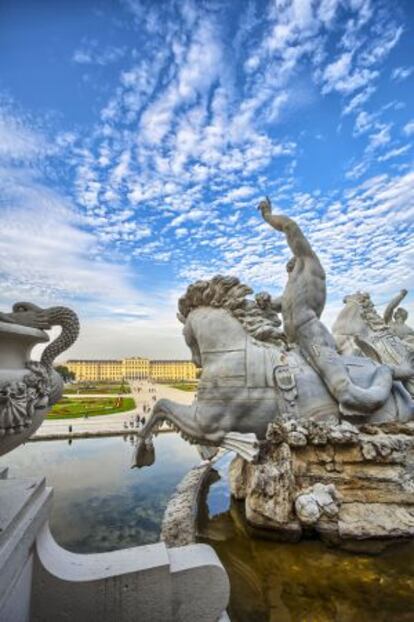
(253, 373)
(250, 376)
(360, 330)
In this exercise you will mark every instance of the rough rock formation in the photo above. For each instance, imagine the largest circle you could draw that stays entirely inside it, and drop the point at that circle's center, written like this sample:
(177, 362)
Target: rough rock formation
(352, 486)
(180, 516)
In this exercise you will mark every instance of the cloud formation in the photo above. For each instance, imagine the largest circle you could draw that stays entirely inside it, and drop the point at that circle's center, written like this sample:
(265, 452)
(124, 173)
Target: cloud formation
(216, 105)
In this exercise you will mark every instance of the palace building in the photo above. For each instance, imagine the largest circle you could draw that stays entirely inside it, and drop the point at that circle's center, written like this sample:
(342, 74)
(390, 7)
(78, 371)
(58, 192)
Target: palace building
(136, 368)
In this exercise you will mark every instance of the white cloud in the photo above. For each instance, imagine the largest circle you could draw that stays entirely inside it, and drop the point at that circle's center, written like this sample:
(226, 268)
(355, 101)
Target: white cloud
(19, 142)
(336, 72)
(243, 192)
(401, 73)
(380, 138)
(357, 170)
(45, 250)
(358, 100)
(394, 153)
(90, 53)
(408, 128)
(370, 234)
(195, 131)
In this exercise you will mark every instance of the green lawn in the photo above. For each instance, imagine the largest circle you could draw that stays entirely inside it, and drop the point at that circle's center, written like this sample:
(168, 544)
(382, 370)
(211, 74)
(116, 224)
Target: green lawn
(184, 386)
(96, 387)
(68, 408)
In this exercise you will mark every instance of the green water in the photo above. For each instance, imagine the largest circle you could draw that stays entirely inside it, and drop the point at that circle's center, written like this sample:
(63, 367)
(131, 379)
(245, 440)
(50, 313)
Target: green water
(306, 582)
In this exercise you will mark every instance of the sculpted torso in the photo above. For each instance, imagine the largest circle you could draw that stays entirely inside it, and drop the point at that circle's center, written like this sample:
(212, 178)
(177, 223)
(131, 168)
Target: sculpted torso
(305, 294)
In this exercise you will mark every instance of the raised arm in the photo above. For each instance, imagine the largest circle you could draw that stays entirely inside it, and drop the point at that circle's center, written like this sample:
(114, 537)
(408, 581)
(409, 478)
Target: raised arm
(298, 243)
(392, 305)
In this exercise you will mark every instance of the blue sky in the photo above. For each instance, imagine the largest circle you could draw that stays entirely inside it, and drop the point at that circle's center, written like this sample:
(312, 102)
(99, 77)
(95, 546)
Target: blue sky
(137, 137)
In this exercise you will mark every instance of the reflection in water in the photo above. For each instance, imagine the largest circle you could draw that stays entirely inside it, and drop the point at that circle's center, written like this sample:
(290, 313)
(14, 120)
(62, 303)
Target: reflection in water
(306, 582)
(100, 503)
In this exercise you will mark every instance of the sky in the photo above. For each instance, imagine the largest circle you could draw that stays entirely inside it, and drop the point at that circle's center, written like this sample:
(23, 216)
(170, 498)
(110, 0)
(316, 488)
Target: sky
(138, 136)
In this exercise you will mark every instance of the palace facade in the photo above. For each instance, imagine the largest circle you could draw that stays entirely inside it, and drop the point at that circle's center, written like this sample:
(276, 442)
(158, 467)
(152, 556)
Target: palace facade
(135, 368)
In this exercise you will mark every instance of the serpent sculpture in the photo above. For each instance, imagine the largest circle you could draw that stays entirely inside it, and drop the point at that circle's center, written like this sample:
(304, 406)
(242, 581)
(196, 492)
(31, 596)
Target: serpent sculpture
(26, 393)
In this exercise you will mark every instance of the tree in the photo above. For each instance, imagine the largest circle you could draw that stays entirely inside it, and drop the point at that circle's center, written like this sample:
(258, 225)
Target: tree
(67, 374)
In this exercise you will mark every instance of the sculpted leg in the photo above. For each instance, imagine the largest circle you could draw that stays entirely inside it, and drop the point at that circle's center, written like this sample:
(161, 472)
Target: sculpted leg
(182, 418)
(316, 344)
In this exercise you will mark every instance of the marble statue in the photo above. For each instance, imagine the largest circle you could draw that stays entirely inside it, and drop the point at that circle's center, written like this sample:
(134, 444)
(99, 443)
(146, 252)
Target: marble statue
(396, 317)
(302, 304)
(27, 388)
(360, 330)
(254, 371)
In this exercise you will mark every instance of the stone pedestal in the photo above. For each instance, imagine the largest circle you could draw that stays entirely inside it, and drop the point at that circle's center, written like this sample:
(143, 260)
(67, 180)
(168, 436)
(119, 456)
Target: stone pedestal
(352, 486)
(41, 582)
(24, 509)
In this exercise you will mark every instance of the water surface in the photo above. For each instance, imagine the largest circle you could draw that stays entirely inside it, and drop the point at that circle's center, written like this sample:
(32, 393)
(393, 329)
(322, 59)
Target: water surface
(100, 503)
(306, 582)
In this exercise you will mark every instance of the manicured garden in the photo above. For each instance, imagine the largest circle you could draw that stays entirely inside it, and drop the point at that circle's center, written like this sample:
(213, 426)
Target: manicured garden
(184, 386)
(96, 387)
(68, 408)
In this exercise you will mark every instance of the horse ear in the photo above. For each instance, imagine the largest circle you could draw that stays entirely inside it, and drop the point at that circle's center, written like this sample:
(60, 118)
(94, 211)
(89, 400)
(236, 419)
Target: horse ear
(181, 318)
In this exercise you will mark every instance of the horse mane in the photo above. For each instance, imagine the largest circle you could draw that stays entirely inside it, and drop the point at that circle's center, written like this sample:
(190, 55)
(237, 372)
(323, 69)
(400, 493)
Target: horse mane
(367, 310)
(227, 292)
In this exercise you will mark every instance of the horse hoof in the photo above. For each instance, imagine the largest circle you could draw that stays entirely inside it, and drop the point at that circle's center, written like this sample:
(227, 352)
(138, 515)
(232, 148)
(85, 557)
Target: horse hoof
(144, 454)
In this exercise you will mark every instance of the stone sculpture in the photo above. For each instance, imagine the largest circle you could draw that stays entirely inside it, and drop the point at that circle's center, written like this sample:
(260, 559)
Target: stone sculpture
(302, 304)
(254, 373)
(396, 317)
(360, 330)
(28, 389)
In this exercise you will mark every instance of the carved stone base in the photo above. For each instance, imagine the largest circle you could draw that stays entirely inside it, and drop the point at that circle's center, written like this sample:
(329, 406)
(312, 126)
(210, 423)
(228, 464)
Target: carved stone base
(354, 487)
(42, 582)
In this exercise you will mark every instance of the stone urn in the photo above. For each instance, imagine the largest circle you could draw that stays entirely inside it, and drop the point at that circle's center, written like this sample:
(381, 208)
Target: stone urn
(28, 389)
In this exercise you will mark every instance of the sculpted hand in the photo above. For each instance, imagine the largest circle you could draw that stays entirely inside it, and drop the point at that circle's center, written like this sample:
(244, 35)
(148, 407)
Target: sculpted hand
(404, 292)
(278, 222)
(265, 207)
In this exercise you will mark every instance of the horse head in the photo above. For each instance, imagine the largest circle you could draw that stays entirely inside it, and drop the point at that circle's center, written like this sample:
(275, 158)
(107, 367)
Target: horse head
(218, 316)
(358, 318)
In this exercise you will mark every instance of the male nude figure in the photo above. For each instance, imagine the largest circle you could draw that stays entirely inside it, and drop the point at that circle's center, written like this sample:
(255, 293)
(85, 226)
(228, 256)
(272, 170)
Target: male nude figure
(396, 321)
(301, 305)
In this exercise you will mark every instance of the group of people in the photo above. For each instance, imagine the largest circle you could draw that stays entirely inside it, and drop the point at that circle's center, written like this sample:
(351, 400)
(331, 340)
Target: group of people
(139, 420)
(134, 423)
